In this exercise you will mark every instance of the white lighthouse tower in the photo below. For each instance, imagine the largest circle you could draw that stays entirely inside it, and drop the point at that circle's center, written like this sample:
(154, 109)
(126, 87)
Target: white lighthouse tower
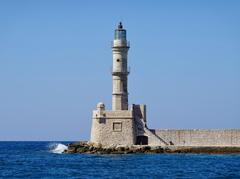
(120, 71)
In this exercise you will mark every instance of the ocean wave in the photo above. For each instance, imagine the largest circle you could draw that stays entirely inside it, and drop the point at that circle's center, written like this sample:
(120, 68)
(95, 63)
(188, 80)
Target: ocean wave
(57, 148)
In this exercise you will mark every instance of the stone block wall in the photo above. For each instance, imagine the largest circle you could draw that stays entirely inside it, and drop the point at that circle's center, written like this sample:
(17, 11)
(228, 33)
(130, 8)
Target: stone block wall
(200, 137)
(113, 128)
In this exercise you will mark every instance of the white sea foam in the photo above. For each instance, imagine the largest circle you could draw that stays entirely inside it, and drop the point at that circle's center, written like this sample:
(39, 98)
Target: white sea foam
(57, 148)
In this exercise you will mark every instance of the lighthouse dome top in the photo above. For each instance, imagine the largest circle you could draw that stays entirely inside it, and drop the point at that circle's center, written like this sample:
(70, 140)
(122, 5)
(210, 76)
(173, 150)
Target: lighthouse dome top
(120, 33)
(120, 26)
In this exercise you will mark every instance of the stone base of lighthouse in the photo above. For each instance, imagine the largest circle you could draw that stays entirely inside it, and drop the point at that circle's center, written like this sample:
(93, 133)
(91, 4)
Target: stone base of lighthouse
(122, 127)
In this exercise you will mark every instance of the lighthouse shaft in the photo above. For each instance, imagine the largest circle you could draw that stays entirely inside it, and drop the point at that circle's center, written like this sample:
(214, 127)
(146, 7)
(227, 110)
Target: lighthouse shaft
(120, 70)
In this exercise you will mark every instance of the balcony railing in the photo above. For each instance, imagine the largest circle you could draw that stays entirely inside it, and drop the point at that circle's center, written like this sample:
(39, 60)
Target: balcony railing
(120, 43)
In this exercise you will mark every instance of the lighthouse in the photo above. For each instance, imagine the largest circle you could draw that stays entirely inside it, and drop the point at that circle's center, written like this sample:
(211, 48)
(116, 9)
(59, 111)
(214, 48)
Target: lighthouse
(121, 125)
(120, 47)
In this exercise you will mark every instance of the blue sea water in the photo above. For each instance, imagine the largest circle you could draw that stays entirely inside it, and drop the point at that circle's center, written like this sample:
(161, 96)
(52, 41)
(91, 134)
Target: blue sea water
(37, 160)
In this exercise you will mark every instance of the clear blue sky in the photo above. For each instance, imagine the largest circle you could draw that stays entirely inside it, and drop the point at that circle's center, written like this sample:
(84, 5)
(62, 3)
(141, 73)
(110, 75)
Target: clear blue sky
(55, 60)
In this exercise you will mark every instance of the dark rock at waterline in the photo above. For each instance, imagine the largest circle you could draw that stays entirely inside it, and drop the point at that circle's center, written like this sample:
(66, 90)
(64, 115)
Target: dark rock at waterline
(207, 150)
(85, 147)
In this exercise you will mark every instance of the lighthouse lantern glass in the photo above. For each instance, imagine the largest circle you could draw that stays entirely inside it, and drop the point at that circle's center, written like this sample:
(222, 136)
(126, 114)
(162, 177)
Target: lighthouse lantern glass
(120, 35)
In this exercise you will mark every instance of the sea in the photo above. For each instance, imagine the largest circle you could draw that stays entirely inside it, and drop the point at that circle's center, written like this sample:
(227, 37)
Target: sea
(46, 160)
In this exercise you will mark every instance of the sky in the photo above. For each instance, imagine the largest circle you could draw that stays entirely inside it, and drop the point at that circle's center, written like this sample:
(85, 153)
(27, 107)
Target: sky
(55, 64)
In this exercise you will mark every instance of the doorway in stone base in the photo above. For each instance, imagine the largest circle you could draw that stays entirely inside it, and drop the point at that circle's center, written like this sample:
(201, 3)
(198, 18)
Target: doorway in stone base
(142, 140)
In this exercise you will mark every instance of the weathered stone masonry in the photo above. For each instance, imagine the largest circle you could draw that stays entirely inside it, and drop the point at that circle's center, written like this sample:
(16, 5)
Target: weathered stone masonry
(200, 137)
